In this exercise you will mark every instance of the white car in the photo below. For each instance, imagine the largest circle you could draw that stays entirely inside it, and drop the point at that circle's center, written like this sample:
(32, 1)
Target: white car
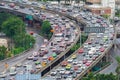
(13, 71)
(70, 60)
(3, 75)
(53, 73)
(39, 66)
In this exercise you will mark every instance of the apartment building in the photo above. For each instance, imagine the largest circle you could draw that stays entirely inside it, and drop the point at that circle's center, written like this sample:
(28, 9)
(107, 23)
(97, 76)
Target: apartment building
(101, 7)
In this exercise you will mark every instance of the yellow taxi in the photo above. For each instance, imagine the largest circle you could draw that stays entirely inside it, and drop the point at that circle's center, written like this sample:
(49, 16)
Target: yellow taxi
(74, 56)
(68, 67)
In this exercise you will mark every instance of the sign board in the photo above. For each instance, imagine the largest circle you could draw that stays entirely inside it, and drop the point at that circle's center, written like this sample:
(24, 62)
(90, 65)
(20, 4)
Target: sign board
(94, 29)
(27, 77)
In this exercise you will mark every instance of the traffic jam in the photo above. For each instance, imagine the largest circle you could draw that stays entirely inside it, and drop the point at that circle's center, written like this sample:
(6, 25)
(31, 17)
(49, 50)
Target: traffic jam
(64, 34)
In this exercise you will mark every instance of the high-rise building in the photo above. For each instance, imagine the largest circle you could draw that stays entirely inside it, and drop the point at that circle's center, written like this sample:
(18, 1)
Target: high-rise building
(101, 7)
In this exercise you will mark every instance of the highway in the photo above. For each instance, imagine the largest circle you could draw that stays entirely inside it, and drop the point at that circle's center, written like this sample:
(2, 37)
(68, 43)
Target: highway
(18, 59)
(91, 52)
(63, 72)
(114, 53)
(69, 31)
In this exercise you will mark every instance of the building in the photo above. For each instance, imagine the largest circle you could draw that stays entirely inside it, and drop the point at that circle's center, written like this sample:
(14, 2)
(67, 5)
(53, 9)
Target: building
(117, 2)
(3, 42)
(101, 7)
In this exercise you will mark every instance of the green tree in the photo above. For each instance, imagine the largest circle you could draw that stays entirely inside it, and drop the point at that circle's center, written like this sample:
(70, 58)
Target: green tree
(117, 13)
(4, 17)
(46, 27)
(106, 16)
(23, 40)
(118, 67)
(13, 26)
(92, 76)
(3, 51)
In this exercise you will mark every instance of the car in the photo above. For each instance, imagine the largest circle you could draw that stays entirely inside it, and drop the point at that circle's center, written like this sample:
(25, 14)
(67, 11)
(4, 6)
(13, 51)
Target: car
(80, 51)
(35, 54)
(79, 71)
(37, 62)
(64, 63)
(13, 71)
(74, 75)
(68, 67)
(22, 6)
(53, 73)
(39, 66)
(30, 57)
(35, 59)
(45, 57)
(2, 4)
(62, 71)
(67, 72)
(70, 60)
(74, 56)
(102, 49)
(75, 62)
(88, 63)
(16, 8)
(3, 74)
(32, 71)
(12, 5)
(84, 61)
(58, 77)
(18, 65)
(75, 67)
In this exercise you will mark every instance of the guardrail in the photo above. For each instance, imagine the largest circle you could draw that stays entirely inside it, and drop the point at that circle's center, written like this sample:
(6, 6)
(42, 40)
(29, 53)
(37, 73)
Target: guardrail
(93, 63)
(62, 54)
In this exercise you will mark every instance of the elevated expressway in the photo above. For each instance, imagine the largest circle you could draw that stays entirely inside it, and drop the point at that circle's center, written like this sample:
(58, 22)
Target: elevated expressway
(59, 57)
(94, 62)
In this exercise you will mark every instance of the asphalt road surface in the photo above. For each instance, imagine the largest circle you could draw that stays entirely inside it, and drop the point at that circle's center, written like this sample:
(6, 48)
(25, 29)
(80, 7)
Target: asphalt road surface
(39, 41)
(114, 53)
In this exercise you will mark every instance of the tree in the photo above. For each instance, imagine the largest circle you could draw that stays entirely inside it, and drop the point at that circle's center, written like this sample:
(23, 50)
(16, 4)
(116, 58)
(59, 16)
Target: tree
(2, 52)
(4, 17)
(24, 40)
(92, 76)
(117, 13)
(46, 29)
(118, 67)
(13, 26)
(106, 16)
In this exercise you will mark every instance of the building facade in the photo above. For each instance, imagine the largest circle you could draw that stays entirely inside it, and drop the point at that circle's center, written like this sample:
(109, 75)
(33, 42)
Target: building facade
(101, 7)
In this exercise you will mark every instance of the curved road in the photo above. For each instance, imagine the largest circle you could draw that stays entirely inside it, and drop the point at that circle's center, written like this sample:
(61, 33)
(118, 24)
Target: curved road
(39, 41)
(114, 53)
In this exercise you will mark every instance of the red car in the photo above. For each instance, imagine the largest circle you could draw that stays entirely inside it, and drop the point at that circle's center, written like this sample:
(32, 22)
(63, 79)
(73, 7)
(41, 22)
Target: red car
(75, 67)
(89, 42)
(81, 50)
(12, 5)
(84, 61)
(64, 63)
(31, 33)
(102, 49)
(87, 64)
